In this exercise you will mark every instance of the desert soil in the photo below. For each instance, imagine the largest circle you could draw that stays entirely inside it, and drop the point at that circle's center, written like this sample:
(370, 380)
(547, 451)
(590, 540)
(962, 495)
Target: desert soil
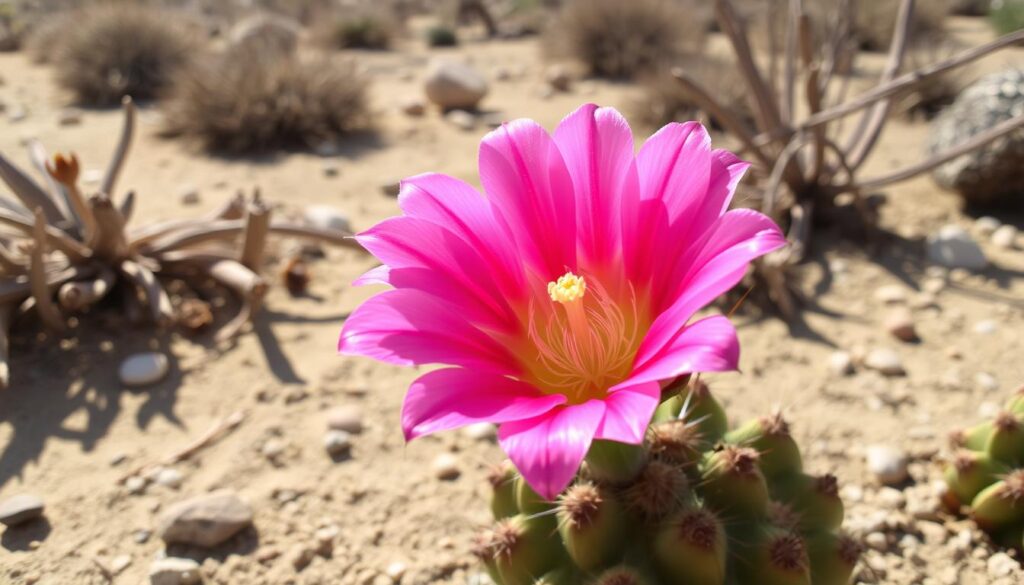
(70, 432)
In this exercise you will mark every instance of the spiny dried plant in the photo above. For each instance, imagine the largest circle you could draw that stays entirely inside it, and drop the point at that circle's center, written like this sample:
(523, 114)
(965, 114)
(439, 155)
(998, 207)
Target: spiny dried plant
(106, 51)
(626, 39)
(248, 100)
(61, 253)
(364, 27)
(811, 164)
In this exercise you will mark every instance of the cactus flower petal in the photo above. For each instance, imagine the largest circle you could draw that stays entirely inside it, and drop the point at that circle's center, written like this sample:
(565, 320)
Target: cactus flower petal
(563, 297)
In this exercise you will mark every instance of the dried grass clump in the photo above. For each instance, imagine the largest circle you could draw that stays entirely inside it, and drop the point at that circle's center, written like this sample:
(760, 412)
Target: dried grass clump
(664, 100)
(358, 28)
(107, 51)
(247, 100)
(618, 39)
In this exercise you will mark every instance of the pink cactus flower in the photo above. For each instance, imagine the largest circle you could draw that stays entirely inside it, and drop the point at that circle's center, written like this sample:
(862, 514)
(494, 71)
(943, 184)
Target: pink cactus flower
(562, 299)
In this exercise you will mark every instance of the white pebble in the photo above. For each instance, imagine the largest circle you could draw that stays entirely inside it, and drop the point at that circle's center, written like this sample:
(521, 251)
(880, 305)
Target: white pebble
(986, 225)
(446, 467)
(337, 443)
(143, 369)
(346, 418)
(481, 431)
(168, 477)
(986, 381)
(885, 361)
(1005, 237)
(887, 464)
(840, 363)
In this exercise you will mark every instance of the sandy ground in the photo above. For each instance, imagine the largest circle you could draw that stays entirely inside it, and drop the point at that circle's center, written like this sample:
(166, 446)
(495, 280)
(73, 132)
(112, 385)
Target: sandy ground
(69, 431)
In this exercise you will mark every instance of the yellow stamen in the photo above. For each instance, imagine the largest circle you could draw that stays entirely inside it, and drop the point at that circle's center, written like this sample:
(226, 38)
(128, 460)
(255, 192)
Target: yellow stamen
(567, 288)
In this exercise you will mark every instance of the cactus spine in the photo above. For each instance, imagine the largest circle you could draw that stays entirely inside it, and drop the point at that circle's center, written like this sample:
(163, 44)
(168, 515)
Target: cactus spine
(695, 504)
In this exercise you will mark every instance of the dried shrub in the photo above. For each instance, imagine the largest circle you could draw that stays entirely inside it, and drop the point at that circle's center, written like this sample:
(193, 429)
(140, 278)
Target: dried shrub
(931, 96)
(247, 100)
(44, 37)
(665, 100)
(1007, 16)
(360, 28)
(620, 39)
(875, 21)
(441, 36)
(106, 51)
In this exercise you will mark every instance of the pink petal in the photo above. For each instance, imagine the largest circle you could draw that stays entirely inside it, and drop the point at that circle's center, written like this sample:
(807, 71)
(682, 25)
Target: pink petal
(628, 413)
(462, 210)
(548, 449)
(597, 146)
(529, 188)
(409, 327)
(712, 267)
(709, 345)
(408, 242)
(455, 397)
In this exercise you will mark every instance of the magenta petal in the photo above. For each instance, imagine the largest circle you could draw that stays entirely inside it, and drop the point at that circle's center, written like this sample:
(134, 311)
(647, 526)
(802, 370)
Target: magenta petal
(409, 327)
(739, 237)
(597, 146)
(709, 345)
(628, 412)
(455, 397)
(548, 449)
(529, 188)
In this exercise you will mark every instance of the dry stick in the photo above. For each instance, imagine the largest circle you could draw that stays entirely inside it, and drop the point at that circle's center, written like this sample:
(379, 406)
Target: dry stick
(725, 116)
(245, 283)
(228, 229)
(160, 308)
(6, 312)
(109, 242)
(219, 429)
(766, 108)
(906, 80)
(127, 206)
(79, 294)
(17, 289)
(54, 237)
(48, 312)
(254, 235)
(123, 144)
(874, 119)
(813, 91)
(792, 22)
(30, 194)
(928, 164)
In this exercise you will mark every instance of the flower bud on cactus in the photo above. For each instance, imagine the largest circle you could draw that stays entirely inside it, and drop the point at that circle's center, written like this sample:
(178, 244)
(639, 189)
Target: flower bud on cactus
(692, 548)
(986, 475)
(592, 525)
(503, 490)
(683, 508)
(770, 437)
(734, 484)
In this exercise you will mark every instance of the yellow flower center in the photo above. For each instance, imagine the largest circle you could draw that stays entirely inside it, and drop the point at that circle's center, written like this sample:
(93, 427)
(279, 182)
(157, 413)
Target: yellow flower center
(567, 288)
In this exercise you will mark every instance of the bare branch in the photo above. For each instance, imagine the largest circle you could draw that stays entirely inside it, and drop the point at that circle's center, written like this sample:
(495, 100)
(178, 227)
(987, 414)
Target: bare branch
(110, 242)
(55, 237)
(160, 308)
(79, 294)
(123, 144)
(254, 238)
(128, 206)
(48, 312)
(29, 192)
(6, 312)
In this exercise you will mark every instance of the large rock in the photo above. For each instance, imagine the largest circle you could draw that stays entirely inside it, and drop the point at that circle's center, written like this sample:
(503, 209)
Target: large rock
(993, 172)
(205, 520)
(21, 508)
(453, 85)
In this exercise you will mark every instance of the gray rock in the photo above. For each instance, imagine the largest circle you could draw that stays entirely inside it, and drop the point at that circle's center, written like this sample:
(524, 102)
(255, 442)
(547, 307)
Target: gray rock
(887, 464)
(205, 520)
(953, 247)
(188, 195)
(338, 443)
(174, 571)
(461, 119)
(21, 508)
(326, 217)
(993, 172)
(69, 117)
(143, 369)
(450, 85)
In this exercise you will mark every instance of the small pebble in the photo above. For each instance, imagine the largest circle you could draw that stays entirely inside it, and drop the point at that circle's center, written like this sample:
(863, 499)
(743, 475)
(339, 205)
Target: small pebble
(414, 107)
(986, 381)
(885, 361)
(143, 369)
(168, 477)
(899, 323)
(395, 571)
(986, 225)
(346, 418)
(887, 464)
(300, 556)
(461, 119)
(481, 431)
(446, 467)
(891, 294)
(69, 117)
(273, 449)
(174, 571)
(877, 541)
(986, 327)
(840, 363)
(330, 168)
(338, 443)
(20, 508)
(558, 78)
(188, 195)
(135, 485)
(327, 217)
(1002, 565)
(119, 563)
(325, 538)
(391, 188)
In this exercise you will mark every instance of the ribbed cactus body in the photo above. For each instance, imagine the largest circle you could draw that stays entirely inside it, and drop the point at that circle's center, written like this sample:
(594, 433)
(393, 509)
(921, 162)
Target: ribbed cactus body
(985, 478)
(696, 504)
